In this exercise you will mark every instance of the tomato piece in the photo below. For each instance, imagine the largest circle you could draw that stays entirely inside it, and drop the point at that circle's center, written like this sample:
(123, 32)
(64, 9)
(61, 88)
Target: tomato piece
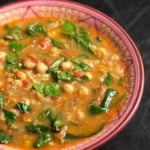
(68, 54)
(25, 83)
(78, 74)
(45, 43)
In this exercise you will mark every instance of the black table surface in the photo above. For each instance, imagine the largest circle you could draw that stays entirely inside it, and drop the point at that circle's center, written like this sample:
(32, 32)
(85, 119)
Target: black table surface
(134, 17)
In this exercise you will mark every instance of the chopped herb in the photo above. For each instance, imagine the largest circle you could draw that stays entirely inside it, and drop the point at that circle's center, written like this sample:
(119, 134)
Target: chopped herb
(10, 117)
(83, 56)
(7, 27)
(49, 89)
(23, 108)
(45, 114)
(108, 80)
(16, 30)
(121, 81)
(71, 136)
(66, 76)
(55, 66)
(35, 28)
(98, 38)
(13, 62)
(42, 140)
(109, 95)
(79, 34)
(57, 43)
(37, 128)
(15, 47)
(79, 66)
(3, 138)
(56, 125)
(97, 109)
(2, 99)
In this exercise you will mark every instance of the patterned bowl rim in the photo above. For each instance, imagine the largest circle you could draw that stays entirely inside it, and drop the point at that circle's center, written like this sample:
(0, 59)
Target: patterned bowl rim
(137, 61)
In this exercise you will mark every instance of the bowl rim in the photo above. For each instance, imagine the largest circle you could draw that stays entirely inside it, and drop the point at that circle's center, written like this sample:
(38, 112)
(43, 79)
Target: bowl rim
(128, 115)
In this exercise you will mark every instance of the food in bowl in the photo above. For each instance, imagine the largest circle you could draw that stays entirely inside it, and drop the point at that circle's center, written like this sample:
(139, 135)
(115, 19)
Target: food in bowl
(60, 82)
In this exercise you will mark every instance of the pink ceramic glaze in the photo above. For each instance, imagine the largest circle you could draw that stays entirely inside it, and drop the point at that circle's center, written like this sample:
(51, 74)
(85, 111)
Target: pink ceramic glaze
(113, 31)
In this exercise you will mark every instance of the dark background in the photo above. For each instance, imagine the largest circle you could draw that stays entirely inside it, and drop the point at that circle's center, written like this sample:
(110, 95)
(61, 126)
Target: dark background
(134, 17)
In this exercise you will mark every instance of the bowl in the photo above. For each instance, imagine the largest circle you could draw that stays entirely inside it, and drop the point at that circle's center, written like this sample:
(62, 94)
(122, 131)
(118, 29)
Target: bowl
(109, 28)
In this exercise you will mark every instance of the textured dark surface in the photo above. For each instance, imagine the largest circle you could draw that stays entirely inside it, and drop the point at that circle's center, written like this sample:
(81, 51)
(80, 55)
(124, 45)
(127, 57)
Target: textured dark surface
(134, 17)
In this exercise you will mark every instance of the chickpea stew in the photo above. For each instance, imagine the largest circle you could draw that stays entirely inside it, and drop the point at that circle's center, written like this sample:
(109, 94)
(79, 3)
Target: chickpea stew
(56, 77)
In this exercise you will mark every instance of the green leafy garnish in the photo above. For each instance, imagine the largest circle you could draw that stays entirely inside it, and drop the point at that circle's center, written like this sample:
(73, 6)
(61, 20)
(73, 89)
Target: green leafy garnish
(79, 66)
(13, 62)
(3, 138)
(23, 108)
(10, 117)
(121, 81)
(109, 95)
(16, 47)
(98, 38)
(97, 109)
(35, 28)
(7, 27)
(82, 56)
(79, 34)
(66, 76)
(2, 99)
(42, 140)
(56, 124)
(14, 34)
(16, 30)
(37, 128)
(44, 114)
(57, 43)
(49, 89)
(72, 136)
(108, 80)
(55, 66)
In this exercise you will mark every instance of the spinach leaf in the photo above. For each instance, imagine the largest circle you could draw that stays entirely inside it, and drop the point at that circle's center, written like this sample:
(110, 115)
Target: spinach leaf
(3, 138)
(35, 28)
(56, 125)
(82, 56)
(109, 95)
(23, 108)
(108, 80)
(72, 136)
(98, 38)
(45, 114)
(13, 62)
(66, 76)
(2, 99)
(16, 30)
(79, 66)
(7, 27)
(68, 27)
(55, 66)
(97, 109)
(79, 34)
(16, 47)
(14, 35)
(42, 140)
(121, 81)
(37, 128)
(57, 43)
(10, 117)
(52, 89)
(49, 89)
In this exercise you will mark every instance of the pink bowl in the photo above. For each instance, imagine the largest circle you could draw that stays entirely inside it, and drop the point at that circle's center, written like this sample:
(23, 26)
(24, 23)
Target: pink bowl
(108, 27)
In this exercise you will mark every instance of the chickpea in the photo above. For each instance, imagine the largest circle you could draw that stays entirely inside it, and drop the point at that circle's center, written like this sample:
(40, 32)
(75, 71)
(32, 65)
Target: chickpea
(80, 114)
(29, 63)
(68, 88)
(3, 55)
(20, 75)
(41, 67)
(65, 66)
(83, 90)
